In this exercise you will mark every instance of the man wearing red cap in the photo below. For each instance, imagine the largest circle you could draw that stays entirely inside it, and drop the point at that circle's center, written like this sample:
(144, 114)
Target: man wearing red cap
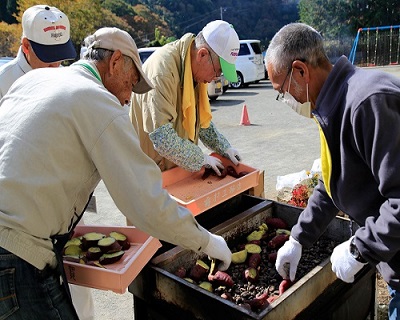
(45, 42)
(172, 118)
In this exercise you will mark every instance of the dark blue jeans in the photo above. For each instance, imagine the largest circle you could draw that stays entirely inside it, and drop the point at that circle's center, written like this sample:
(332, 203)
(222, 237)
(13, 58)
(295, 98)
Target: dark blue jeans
(27, 293)
(394, 304)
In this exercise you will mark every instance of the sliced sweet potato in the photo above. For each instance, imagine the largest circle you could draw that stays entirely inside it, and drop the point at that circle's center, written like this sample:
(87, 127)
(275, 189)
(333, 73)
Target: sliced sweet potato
(251, 274)
(90, 239)
(94, 253)
(109, 258)
(109, 245)
(121, 238)
(199, 271)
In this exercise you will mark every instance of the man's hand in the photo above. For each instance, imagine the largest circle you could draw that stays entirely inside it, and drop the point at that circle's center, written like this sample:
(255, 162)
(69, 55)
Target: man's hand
(218, 249)
(233, 155)
(214, 163)
(288, 258)
(344, 264)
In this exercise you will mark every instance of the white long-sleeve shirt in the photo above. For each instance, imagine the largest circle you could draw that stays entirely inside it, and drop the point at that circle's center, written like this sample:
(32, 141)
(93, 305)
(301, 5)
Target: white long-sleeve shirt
(12, 71)
(61, 131)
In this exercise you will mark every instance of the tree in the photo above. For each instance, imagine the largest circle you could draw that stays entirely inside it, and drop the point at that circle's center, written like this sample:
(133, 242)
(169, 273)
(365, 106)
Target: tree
(85, 17)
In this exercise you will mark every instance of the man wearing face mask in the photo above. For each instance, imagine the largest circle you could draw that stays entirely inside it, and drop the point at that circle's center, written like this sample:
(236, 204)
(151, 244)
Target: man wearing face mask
(358, 114)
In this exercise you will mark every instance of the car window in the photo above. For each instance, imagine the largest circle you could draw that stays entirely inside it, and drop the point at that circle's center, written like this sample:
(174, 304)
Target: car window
(144, 55)
(256, 47)
(244, 49)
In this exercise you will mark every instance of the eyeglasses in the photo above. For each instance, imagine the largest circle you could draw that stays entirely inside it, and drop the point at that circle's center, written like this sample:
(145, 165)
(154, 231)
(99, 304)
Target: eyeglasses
(212, 62)
(281, 94)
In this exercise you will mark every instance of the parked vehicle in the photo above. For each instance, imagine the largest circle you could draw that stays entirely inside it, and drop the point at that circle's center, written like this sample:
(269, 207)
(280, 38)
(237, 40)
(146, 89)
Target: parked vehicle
(249, 64)
(214, 88)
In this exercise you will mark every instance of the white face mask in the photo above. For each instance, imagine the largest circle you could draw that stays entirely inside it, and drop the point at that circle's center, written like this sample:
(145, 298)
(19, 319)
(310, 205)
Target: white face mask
(303, 109)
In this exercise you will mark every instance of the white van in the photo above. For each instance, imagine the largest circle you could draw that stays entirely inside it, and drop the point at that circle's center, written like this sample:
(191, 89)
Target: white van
(249, 64)
(215, 88)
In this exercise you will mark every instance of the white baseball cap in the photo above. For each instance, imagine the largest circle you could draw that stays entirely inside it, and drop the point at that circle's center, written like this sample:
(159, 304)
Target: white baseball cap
(48, 31)
(117, 39)
(223, 39)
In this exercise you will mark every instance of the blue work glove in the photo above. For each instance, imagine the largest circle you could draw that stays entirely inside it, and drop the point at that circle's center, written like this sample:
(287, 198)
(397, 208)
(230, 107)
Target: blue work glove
(344, 264)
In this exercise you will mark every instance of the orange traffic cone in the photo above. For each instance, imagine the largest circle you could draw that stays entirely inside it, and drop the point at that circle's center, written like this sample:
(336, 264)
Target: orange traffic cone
(245, 117)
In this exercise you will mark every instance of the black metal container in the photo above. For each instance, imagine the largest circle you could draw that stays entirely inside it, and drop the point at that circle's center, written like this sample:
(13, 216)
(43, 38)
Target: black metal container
(159, 294)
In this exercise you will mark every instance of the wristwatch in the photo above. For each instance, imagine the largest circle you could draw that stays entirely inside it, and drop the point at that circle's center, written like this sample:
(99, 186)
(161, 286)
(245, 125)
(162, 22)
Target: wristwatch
(355, 253)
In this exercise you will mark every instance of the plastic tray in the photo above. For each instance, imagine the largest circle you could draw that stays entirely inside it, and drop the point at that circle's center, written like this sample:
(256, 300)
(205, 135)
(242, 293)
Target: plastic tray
(119, 275)
(198, 195)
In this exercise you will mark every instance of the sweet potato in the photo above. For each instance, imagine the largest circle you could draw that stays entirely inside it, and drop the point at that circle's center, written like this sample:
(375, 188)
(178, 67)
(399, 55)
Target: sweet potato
(272, 257)
(276, 223)
(252, 248)
(221, 278)
(206, 285)
(284, 285)
(181, 272)
(199, 271)
(254, 260)
(277, 241)
(259, 302)
(250, 274)
(239, 256)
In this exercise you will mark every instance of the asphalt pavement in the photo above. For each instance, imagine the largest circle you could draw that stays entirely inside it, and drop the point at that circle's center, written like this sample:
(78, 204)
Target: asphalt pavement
(277, 140)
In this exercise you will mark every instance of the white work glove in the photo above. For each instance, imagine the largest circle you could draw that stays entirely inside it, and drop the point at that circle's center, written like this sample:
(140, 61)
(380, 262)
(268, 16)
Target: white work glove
(344, 264)
(214, 163)
(288, 258)
(218, 249)
(233, 155)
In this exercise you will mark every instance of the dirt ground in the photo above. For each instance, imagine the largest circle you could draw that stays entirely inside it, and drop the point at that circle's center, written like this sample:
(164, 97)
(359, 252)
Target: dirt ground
(382, 298)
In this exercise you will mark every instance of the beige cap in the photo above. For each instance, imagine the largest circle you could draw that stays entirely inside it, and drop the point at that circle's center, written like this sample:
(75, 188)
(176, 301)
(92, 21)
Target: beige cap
(117, 39)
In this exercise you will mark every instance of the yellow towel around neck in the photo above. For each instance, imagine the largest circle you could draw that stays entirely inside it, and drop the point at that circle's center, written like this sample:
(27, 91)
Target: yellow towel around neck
(189, 102)
(326, 161)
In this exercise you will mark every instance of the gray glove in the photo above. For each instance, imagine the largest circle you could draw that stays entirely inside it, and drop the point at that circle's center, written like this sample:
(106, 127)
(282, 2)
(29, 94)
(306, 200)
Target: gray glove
(214, 163)
(218, 249)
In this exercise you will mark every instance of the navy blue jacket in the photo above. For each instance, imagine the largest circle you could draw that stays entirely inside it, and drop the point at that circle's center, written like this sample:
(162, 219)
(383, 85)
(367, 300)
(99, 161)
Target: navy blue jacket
(358, 110)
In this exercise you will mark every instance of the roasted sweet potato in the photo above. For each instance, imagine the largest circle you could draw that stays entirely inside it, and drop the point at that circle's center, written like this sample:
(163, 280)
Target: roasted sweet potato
(221, 278)
(276, 223)
(251, 274)
(109, 258)
(252, 248)
(284, 285)
(94, 253)
(199, 271)
(91, 239)
(181, 272)
(239, 256)
(277, 241)
(272, 257)
(109, 245)
(206, 285)
(260, 302)
(254, 260)
(121, 238)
